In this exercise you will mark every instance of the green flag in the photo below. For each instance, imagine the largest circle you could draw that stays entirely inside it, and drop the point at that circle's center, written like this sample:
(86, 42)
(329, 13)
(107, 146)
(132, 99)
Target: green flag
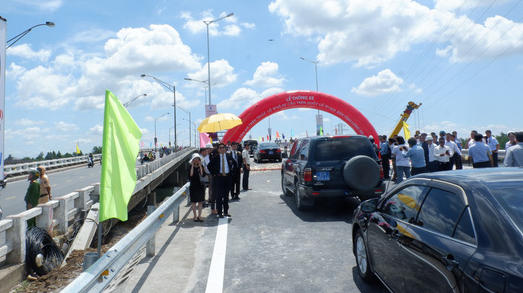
(119, 151)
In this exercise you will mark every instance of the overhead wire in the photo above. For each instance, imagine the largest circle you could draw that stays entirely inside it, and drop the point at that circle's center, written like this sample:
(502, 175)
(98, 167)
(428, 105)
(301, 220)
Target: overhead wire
(413, 67)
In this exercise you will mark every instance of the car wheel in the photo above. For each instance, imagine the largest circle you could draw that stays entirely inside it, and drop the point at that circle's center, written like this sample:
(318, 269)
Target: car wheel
(297, 197)
(362, 258)
(283, 188)
(361, 173)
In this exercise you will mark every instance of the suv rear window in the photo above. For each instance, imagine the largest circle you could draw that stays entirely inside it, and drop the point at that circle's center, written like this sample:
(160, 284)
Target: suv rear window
(335, 149)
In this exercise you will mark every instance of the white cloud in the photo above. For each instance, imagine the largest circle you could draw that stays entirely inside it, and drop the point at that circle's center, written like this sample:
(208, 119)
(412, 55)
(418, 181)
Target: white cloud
(451, 5)
(96, 130)
(385, 82)
(230, 24)
(15, 70)
(243, 98)
(62, 126)
(222, 74)
(133, 51)
(27, 122)
(25, 51)
(369, 33)
(266, 75)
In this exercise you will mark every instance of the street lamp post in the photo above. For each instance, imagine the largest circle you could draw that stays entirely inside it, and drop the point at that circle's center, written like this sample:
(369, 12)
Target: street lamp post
(188, 113)
(16, 38)
(155, 138)
(205, 86)
(207, 23)
(316, 71)
(126, 104)
(172, 88)
(196, 132)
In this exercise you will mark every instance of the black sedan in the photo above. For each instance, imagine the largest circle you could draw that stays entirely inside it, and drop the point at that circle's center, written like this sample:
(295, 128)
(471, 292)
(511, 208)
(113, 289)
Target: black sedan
(267, 151)
(452, 231)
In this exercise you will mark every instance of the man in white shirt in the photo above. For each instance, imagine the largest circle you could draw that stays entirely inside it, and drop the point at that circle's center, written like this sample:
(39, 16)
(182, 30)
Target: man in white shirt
(246, 168)
(442, 154)
(454, 150)
(514, 155)
(493, 144)
(432, 164)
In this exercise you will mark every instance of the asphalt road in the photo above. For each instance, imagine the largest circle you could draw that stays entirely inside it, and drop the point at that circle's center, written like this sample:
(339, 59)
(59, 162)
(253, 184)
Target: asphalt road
(273, 247)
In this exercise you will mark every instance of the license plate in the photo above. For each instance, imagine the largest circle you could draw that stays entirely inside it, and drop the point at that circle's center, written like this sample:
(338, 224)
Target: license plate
(322, 176)
(270, 153)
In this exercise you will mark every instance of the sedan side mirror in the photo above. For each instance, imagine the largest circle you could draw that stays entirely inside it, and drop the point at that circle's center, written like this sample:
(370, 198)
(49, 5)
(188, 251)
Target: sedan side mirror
(369, 206)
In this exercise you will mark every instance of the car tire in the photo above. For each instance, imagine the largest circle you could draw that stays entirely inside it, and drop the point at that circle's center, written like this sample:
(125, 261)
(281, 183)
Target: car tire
(361, 173)
(362, 258)
(283, 188)
(297, 197)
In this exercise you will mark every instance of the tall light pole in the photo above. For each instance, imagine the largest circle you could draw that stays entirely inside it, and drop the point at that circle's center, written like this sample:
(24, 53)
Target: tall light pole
(172, 88)
(126, 104)
(207, 23)
(190, 126)
(318, 117)
(195, 132)
(202, 81)
(155, 139)
(16, 38)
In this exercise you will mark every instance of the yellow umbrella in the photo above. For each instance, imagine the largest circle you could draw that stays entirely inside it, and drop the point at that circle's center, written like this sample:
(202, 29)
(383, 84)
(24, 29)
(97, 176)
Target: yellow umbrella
(218, 122)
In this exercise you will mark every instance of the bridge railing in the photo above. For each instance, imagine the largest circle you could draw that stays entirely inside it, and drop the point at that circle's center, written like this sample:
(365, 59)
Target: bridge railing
(19, 169)
(59, 212)
(103, 271)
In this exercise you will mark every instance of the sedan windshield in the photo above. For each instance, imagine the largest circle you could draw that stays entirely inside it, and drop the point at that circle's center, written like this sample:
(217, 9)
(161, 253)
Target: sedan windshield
(511, 200)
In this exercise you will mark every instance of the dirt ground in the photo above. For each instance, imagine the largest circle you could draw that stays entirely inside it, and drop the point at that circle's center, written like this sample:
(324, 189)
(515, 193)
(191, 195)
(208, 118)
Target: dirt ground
(58, 279)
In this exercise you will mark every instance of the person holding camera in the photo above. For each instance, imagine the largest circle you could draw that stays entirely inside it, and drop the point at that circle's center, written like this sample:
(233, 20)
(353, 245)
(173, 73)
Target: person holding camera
(197, 187)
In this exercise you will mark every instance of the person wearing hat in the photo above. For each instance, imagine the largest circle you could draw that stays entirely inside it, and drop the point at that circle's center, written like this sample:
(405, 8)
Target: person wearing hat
(45, 186)
(32, 195)
(197, 187)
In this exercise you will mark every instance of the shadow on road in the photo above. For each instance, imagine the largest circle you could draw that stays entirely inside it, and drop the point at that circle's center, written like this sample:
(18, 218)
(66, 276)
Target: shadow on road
(325, 210)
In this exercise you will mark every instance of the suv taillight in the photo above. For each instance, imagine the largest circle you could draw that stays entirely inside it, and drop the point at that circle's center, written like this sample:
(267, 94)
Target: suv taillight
(278, 150)
(307, 175)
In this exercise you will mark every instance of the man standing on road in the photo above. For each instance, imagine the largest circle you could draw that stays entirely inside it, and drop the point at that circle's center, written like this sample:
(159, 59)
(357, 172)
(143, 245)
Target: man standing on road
(442, 153)
(45, 187)
(493, 144)
(416, 155)
(385, 156)
(480, 153)
(222, 166)
(246, 167)
(32, 195)
(514, 155)
(237, 157)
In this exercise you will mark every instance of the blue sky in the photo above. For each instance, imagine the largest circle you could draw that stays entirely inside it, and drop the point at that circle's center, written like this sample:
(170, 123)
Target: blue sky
(461, 59)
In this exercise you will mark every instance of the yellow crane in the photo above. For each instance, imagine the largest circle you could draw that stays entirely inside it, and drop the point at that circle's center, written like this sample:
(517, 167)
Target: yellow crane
(404, 117)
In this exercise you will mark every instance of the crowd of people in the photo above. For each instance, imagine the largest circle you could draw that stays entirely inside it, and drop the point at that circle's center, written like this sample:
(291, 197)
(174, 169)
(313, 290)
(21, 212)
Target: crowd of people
(432, 153)
(218, 168)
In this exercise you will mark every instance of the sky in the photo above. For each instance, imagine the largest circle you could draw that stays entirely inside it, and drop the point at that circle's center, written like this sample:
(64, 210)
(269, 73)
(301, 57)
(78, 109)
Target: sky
(462, 60)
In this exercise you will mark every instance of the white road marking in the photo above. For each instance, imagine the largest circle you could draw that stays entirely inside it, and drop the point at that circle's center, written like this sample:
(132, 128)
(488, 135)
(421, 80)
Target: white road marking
(12, 197)
(216, 271)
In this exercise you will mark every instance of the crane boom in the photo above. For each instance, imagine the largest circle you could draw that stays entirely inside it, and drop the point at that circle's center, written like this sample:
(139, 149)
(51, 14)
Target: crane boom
(404, 117)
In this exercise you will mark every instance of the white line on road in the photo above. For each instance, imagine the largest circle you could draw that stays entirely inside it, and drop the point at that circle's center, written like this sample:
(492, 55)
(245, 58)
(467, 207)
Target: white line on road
(216, 271)
(12, 197)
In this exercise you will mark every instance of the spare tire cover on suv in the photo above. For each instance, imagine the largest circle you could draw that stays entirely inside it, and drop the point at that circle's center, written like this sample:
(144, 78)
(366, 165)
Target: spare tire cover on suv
(361, 173)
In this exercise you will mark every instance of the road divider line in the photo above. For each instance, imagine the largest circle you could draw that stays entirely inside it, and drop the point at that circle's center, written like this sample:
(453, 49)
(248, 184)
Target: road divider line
(12, 197)
(217, 269)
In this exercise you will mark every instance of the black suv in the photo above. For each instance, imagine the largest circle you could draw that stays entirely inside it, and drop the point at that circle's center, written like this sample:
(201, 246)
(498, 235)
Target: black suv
(331, 166)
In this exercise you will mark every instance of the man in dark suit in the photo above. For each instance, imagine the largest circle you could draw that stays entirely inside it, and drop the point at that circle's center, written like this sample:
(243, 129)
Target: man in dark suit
(236, 176)
(222, 168)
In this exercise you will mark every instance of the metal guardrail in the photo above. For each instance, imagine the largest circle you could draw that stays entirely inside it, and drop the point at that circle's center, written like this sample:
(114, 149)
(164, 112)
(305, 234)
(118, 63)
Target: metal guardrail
(102, 272)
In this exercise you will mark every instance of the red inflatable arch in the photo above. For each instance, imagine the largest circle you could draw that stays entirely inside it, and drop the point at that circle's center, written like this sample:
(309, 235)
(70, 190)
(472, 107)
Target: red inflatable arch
(301, 99)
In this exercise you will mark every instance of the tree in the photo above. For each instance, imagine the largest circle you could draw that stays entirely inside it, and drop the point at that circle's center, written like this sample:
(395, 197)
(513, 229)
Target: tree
(97, 150)
(40, 157)
(502, 139)
(58, 155)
